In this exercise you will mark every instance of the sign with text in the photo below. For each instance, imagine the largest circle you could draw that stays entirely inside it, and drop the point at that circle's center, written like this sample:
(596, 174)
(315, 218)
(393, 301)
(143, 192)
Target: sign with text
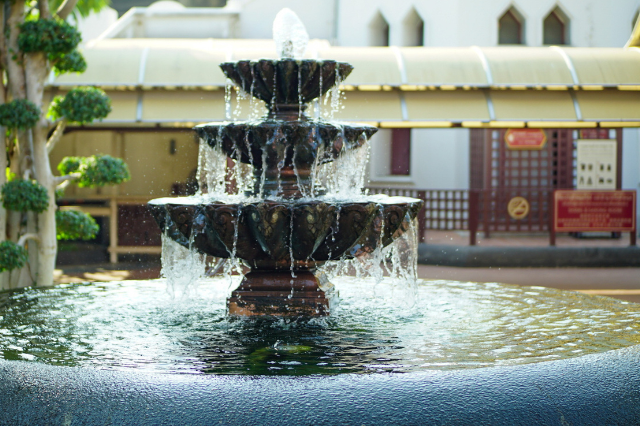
(582, 211)
(596, 163)
(525, 138)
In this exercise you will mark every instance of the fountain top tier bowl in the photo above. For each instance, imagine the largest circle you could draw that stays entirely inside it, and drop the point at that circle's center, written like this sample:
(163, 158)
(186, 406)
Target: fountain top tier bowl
(286, 85)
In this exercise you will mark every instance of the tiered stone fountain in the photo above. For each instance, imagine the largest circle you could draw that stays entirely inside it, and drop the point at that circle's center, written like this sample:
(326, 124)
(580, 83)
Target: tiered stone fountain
(470, 353)
(287, 226)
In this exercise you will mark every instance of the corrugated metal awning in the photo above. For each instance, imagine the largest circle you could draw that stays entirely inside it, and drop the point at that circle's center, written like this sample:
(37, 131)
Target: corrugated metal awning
(178, 80)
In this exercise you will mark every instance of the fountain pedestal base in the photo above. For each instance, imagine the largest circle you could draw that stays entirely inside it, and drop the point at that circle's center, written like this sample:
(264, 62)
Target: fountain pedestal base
(278, 294)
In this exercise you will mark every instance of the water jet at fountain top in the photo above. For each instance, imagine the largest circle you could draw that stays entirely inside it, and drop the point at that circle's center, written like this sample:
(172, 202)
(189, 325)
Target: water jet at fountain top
(290, 35)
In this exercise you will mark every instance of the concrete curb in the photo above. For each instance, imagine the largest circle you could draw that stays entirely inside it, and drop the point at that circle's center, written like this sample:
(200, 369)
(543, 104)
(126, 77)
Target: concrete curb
(527, 257)
(598, 389)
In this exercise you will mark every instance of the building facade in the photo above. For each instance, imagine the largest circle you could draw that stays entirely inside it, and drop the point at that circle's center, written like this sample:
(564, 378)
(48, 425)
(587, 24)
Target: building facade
(415, 78)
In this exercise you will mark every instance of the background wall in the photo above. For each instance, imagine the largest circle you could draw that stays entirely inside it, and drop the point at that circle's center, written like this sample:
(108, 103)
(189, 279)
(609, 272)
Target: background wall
(593, 23)
(154, 169)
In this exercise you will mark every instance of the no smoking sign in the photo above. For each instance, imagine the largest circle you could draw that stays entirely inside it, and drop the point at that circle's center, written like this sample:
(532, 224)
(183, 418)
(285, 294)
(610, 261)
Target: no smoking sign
(518, 207)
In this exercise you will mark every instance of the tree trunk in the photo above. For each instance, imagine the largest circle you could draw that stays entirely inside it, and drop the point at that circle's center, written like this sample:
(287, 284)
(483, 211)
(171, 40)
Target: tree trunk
(4, 276)
(48, 245)
(37, 69)
(17, 90)
(15, 71)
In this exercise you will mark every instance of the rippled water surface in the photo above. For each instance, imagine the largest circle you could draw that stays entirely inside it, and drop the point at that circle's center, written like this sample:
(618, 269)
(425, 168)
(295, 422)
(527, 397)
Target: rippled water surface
(442, 325)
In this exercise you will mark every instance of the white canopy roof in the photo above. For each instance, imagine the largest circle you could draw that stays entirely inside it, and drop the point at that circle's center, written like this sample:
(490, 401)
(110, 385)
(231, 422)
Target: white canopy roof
(178, 81)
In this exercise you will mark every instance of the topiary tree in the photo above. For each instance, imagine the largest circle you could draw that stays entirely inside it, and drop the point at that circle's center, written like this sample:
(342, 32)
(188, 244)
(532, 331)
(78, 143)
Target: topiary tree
(34, 41)
(75, 225)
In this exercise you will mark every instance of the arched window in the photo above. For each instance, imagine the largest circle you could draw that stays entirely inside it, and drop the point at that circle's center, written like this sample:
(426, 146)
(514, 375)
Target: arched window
(510, 27)
(413, 29)
(556, 28)
(378, 31)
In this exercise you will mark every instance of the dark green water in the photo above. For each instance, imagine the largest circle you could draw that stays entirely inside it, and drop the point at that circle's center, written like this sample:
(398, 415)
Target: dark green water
(374, 328)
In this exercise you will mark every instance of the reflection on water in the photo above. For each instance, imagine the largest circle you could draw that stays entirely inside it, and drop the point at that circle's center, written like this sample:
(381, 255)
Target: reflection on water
(449, 325)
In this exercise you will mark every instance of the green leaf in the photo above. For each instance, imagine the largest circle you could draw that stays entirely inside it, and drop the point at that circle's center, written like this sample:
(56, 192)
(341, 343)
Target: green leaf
(83, 7)
(75, 225)
(25, 195)
(97, 170)
(51, 36)
(81, 105)
(19, 114)
(12, 256)
(70, 62)
(69, 165)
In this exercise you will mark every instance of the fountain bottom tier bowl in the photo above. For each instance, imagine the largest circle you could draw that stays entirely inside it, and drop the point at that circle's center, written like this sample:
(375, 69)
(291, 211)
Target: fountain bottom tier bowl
(284, 241)
(463, 353)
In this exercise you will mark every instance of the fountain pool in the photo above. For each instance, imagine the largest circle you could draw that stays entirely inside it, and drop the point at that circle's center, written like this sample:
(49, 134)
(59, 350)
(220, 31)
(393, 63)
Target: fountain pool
(375, 328)
(132, 353)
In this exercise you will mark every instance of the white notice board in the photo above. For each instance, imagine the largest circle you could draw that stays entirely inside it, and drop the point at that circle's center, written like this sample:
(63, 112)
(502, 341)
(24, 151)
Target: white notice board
(596, 163)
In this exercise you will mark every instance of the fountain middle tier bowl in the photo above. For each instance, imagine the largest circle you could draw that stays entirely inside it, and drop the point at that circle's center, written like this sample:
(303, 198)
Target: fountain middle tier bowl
(275, 234)
(299, 143)
(286, 81)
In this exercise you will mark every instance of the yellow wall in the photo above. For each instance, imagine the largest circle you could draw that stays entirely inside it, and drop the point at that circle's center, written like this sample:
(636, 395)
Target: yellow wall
(153, 168)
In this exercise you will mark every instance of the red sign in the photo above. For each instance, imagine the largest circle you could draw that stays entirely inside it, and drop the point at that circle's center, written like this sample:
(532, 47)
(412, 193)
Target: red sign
(609, 211)
(525, 138)
(594, 134)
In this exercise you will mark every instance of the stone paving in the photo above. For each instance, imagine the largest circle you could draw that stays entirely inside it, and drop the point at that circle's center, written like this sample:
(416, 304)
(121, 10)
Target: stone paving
(461, 238)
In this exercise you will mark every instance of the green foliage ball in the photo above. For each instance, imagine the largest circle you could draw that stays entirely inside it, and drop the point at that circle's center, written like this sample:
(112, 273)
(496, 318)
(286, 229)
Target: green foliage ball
(19, 114)
(75, 225)
(97, 170)
(25, 195)
(51, 36)
(81, 105)
(70, 165)
(12, 256)
(70, 62)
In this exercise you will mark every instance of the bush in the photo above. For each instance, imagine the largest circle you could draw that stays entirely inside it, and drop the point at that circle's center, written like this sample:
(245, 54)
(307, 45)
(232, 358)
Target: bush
(12, 256)
(51, 36)
(70, 62)
(19, 114)
(81, 105)
(97, 170)
(25, 195)
(75, 225)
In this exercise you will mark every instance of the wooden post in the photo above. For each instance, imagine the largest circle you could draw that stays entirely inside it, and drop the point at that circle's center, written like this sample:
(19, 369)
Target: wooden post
(117, 150)
(552, 214)
(618, 159)
(422, 217)
(113, 230)
(474, 212)
(486, 207)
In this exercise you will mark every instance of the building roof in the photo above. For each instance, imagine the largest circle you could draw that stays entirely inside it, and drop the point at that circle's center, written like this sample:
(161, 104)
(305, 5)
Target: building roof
(178, 81)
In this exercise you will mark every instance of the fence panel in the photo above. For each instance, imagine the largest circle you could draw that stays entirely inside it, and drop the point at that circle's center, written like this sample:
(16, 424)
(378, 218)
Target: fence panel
(475, 210)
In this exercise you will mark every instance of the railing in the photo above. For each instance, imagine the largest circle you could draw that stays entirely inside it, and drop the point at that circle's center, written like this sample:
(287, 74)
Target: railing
(474, 210)
(444, 210)
(132, 229)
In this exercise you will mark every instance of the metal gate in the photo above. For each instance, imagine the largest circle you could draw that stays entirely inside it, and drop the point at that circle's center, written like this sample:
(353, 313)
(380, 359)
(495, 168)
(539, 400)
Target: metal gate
(515, 185)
